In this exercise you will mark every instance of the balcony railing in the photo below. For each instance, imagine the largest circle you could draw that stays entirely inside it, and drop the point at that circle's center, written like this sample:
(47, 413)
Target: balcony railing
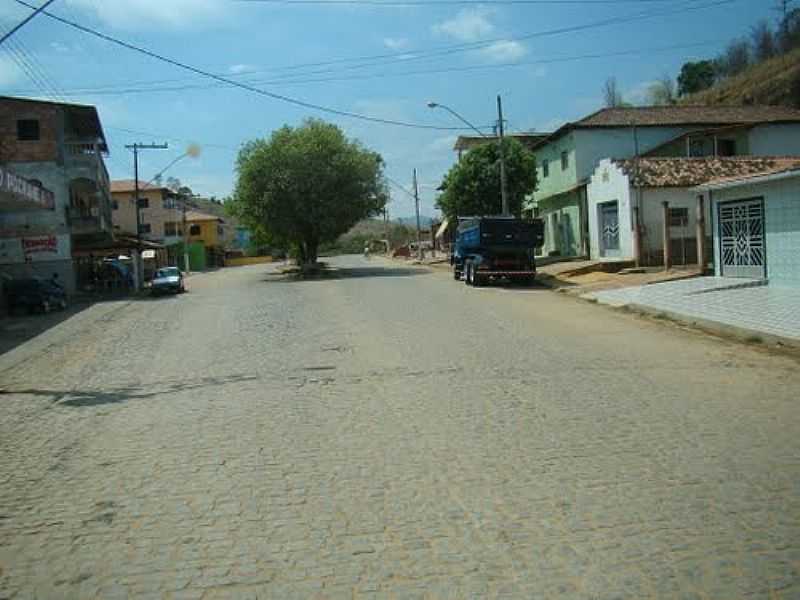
(88, 154)
(83, 220)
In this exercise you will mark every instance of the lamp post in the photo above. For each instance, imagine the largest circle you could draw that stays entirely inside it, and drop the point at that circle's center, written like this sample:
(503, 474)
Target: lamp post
(503, 185)
(192, 151)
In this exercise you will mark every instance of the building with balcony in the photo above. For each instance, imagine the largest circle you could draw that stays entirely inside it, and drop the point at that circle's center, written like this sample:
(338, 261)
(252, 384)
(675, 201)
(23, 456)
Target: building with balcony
(58, 147)
(160, 214)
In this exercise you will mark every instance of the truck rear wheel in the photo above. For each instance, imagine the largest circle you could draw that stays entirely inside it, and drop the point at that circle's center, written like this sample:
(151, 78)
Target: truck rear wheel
(478, 280)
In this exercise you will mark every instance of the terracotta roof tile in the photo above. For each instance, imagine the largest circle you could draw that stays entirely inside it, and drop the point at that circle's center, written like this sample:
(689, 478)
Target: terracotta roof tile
(689, 172)
(127, 185)
(644, 116)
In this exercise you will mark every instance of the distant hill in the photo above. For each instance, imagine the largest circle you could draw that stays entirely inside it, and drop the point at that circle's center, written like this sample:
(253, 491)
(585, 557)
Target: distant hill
(774, 82)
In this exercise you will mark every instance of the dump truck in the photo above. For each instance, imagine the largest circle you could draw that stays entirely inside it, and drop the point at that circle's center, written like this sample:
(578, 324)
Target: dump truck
(491, 248)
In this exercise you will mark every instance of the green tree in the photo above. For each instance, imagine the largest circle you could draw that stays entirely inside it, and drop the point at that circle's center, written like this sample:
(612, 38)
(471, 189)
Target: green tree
(307, 185)
(696, 77)
(472, 186)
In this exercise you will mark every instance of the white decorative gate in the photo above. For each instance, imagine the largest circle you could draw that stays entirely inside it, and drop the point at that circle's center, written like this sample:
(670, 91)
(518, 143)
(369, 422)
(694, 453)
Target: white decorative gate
(741, 235)
(609, 229)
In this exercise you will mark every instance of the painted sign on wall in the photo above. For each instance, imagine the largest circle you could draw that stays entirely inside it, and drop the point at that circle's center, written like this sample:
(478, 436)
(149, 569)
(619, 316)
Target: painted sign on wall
(25, 190)
(34, 249)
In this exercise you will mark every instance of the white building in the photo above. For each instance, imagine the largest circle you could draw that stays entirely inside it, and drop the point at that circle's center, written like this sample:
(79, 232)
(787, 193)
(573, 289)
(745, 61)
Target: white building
(617, 188)
(756, 225)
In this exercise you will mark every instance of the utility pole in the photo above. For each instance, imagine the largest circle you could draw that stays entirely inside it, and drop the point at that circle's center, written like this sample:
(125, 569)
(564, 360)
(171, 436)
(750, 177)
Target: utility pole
(416, 204)
(503, 186)
(137, 260)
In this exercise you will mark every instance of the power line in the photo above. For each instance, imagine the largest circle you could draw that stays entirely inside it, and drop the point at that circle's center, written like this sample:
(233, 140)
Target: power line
(404, 57)
(395, 3)
(25, 21)
(292, 78)
(244, 86)
(106, 91)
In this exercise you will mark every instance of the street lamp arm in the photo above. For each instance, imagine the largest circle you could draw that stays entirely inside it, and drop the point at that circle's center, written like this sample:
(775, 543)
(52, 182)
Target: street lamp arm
(457, 116)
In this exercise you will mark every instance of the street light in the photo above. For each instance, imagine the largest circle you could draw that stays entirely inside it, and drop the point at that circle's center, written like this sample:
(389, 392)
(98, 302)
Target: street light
(503, 186)
(192, 151)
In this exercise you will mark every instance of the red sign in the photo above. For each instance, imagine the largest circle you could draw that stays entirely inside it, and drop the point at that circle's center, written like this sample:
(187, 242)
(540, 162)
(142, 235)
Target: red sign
(39, 245)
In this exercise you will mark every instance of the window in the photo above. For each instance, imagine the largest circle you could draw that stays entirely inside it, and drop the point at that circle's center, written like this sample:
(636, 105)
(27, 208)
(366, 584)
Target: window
(545, 168)
(194, 230)
(144, 228)
(144, 203)
(170, 202)
(564, 160)
(678, 217)
(171, 228)
(28, 130)
(726, 147)
(220, 231)
(114, 205)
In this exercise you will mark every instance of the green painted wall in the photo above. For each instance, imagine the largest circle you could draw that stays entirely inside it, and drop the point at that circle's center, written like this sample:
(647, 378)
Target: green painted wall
(558, 179)
(197, 256)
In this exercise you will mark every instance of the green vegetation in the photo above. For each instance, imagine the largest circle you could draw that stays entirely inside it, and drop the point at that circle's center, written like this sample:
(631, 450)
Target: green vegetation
(306, 186)
(366, 232)
(472, 186)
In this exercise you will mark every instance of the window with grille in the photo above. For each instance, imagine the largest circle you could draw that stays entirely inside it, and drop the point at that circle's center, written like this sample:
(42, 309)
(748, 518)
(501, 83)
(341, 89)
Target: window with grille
(678, 217)
(171, 228)
(564, 160)
(194, 230)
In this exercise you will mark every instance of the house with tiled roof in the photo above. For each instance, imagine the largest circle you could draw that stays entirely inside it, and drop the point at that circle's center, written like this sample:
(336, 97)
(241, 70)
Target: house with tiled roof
(621, 192)
(755, 218)
(568, 157)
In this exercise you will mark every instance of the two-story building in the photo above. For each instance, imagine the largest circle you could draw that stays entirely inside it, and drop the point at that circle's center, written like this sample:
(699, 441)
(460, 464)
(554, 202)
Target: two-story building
(58, 147)
(160, 214)
(206, 240)
(567, 158)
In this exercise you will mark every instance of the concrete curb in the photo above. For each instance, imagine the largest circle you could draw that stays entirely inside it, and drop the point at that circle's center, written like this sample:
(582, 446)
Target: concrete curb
(741, 334)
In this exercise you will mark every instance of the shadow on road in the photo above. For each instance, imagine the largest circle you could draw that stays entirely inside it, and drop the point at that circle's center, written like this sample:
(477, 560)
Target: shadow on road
(348, 273)
(18, 328)
(88, 398)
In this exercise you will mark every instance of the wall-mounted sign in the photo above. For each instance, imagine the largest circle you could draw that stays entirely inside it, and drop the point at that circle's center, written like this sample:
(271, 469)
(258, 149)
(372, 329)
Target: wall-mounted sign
(34, 249)
(24, 190)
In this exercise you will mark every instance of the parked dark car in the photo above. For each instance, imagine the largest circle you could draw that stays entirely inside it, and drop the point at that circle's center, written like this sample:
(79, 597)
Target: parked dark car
(167, 280)
(34, 294)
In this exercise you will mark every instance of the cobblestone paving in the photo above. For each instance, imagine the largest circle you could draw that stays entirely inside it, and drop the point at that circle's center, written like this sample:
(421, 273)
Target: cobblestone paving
(393, 434)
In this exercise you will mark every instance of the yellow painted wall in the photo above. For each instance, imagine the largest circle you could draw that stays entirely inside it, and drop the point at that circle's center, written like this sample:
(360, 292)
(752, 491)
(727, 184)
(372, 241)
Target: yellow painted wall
(208, 232)
(247, 260)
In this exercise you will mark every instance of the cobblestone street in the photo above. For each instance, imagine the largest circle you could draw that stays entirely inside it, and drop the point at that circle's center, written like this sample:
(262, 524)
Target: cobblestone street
(391, 433)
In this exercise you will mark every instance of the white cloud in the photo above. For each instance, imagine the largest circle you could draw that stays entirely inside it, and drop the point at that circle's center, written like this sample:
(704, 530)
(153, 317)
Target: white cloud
(59, 47)
(144, 14)
(240, 68)
(468, 25)
(503, 51)
(395, 43)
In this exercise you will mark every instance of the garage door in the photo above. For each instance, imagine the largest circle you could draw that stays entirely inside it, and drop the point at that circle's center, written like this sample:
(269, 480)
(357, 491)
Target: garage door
(741, 234)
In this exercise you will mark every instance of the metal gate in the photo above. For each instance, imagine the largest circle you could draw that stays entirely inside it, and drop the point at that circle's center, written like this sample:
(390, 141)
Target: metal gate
(609, 229)
(741, 235)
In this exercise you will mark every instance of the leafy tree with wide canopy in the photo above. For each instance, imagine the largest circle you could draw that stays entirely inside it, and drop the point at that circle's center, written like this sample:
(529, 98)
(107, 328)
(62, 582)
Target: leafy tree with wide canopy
(307, 185)
(472, 186)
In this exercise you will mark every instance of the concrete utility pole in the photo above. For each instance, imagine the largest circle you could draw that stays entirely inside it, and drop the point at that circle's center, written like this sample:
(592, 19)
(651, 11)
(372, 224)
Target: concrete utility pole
(416, 205)
(500, 131)
(138, 270)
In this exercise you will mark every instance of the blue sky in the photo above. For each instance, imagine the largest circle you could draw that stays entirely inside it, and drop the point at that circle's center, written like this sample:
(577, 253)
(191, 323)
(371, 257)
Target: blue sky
(263, 43)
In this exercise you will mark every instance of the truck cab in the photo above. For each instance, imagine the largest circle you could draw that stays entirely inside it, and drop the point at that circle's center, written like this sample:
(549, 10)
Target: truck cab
(489, 248)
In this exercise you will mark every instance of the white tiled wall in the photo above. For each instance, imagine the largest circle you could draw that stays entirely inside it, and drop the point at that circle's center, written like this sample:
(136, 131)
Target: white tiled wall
(782, 220)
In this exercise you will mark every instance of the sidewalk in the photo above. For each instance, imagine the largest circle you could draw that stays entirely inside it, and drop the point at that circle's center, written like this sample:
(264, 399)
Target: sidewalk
(752, 310)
